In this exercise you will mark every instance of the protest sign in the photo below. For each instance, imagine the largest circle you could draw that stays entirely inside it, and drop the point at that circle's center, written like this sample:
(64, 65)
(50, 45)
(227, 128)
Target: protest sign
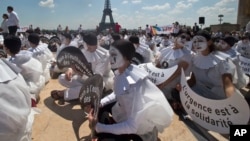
(158, 75)
(73, 57)
(245, 64)
(214, 115)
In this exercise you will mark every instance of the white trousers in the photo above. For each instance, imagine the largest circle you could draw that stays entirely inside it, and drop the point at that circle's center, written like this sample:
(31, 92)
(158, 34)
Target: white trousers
(73, 87)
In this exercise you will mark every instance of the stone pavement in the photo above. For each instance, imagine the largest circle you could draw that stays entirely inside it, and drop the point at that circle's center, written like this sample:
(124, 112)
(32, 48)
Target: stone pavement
(68, 123)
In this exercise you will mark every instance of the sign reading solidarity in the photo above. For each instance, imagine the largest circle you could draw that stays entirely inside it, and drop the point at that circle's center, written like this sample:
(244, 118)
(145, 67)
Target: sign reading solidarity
(245, 64)
(158, 75)
(215, 115)
(90, 95)
(73, 57)
(91, 92)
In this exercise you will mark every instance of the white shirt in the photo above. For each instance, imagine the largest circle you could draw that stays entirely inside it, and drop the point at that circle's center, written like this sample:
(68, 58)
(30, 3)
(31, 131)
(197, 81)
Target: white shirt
(208, 71)
(15, 105)
(136, 97)
(45, 56)
(32, 71)
(146, 52)
(100, 64)
(13, 19)
(4, 26)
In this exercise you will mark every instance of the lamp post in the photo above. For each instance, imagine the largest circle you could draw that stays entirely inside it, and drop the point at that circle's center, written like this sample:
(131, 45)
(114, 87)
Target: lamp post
(220, 16)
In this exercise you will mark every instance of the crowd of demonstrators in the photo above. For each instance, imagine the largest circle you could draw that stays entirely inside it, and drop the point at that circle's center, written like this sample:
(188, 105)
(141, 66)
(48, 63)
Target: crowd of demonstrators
(98, 57)
(212, 59)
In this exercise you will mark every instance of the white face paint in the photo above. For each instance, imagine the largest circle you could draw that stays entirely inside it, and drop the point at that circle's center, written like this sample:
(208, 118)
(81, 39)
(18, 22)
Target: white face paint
(181, 40)
(116, 58)
(199, 43)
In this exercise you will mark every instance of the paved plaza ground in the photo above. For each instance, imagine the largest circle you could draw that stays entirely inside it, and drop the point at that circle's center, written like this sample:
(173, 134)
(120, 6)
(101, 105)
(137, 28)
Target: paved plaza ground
(67, 122)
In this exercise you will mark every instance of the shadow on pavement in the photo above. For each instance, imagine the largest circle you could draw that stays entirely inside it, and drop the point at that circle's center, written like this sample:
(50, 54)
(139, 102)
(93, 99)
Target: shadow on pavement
(70, 110)
(200, 133)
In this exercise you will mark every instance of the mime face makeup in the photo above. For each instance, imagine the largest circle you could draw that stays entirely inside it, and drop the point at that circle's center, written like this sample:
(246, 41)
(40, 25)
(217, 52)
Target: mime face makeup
(199, 43)
(116, 58)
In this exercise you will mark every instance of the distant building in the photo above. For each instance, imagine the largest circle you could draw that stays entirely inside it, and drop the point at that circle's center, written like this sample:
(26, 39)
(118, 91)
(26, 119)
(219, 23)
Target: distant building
(243, 13)
(225, 27)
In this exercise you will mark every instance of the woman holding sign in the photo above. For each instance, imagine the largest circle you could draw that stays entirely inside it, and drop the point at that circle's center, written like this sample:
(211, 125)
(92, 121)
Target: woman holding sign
(133, 102)
(213, 73)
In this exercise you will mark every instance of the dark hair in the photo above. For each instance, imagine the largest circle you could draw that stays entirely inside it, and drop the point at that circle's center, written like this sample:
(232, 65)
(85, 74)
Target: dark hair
(5, 15)
(116, 36)
(207, 35)
(34, 38)
(230, 40)
(126, 48)
(134, 39)
(13, 43)
(90, 38)
(10, 8)
(137, 59)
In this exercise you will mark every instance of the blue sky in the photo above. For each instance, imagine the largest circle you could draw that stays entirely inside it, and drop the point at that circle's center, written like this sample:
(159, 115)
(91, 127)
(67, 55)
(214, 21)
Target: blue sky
(130, 14)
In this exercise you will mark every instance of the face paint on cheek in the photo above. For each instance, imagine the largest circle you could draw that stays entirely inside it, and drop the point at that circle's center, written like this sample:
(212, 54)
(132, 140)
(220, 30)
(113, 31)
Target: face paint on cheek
(199, 43)
(181, 41)
(116, 58)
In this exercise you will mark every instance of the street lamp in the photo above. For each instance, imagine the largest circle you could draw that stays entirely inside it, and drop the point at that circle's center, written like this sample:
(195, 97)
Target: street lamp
(220, 16)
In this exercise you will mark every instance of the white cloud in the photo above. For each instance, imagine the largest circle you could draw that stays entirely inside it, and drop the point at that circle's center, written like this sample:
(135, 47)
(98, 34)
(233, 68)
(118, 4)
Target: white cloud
(182, 5)
(124, 2)
(192, 1)
(221, 7)
(114, 9)
(218, 8)
(47, 3)
(157, 7)
(136, 1)
(90, 5)
(223, 3)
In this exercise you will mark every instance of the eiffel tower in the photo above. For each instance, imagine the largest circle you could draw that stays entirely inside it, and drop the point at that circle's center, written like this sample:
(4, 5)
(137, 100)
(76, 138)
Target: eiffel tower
(107, 12)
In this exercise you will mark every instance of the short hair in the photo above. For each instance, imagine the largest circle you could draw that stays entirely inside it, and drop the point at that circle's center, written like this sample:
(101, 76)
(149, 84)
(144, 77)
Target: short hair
(5, 15)
(13, 43)
(126, 48)
(134, 39)
(230, 40)
(116, 36)
(205, 34)
(90, 39)
(34, 38)
(10, 8)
